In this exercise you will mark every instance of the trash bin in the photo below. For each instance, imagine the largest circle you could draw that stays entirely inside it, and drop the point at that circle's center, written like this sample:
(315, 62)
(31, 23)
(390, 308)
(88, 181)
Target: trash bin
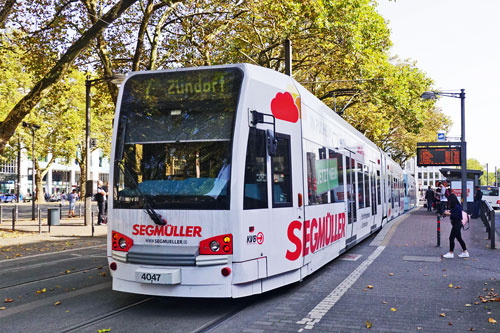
(53, 216)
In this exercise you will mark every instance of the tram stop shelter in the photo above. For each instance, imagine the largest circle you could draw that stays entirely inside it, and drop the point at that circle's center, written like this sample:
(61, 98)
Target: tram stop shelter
(456, 175)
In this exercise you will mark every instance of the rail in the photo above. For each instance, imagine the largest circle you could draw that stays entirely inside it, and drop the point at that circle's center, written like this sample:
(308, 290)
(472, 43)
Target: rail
(487, 214)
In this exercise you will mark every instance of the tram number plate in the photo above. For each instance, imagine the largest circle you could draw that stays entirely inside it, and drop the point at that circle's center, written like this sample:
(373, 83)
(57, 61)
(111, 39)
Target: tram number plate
(158, 276)
(148, 277)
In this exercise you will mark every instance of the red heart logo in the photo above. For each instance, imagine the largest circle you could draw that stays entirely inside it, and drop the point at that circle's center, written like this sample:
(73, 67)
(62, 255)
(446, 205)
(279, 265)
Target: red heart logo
(283, 107)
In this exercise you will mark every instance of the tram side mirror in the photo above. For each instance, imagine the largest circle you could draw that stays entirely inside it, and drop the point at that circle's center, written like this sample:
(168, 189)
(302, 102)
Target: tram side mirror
(271, 143)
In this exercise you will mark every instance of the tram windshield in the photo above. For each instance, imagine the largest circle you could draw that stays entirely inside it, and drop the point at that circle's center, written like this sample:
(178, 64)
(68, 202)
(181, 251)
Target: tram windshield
(174, 139)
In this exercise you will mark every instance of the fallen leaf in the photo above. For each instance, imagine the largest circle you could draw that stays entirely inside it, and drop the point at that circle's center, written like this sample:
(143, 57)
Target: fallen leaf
(472, 329)
(468, 304)
(57, 303)
(391, 274)
(103, 274)
(449, 323)
(442, 314)
(2, 308)
(419, 328)
(104, 330)
(384, 302)
(492, 321)
(369, 286)
(394, 309)
(68, 271)
(450, 285)
(458, 287)
(8, 300)
(44, 290)
(368, 324)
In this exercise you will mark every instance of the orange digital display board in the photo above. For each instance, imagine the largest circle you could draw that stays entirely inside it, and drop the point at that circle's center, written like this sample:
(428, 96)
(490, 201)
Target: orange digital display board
(429, 156)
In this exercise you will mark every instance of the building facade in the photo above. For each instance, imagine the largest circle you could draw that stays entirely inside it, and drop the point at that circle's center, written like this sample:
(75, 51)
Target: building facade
(61, 177)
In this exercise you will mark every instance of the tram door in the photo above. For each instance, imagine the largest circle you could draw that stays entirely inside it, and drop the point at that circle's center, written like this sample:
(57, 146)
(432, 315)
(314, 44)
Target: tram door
(286, 193)
(352, 197)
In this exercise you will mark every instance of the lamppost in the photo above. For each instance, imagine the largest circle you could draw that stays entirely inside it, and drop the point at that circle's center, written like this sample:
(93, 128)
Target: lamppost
(433, 95)
(115, 79)
(33, 128)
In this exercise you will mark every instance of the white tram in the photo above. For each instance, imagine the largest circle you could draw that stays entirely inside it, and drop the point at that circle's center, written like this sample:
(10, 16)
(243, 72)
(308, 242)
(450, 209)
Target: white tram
(229, 181)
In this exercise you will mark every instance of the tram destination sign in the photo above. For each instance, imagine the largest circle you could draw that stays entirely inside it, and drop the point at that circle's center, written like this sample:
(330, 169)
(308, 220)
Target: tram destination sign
(438, 156)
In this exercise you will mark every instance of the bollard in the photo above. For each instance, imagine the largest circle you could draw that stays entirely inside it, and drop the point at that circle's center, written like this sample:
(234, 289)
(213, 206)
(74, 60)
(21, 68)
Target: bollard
(492, 229)
(1, 214)
(60, 211)
(39, 221)
(438, 230)
(92, 223)
(13, 218)
(79, 209)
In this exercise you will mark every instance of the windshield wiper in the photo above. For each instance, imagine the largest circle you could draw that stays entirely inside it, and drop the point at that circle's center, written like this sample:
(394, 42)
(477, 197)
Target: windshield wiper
(148, 206)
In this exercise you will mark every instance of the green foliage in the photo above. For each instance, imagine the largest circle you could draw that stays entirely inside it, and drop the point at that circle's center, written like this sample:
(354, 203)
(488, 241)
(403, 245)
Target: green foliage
(341, 50)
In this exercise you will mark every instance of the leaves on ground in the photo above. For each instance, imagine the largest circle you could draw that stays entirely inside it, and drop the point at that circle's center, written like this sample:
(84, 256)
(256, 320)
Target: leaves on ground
(368, 324)
(394, 309)
(492, 321)
(57, 303)
(442, 314)
(104, 330)
(8, 300)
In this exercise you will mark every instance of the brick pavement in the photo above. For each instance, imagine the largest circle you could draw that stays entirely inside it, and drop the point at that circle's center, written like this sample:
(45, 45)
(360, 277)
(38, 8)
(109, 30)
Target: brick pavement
(412, 287)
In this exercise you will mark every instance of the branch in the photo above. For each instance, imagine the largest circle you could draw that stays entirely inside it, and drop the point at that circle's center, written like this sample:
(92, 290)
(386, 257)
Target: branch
(5, 12)
(28, 102)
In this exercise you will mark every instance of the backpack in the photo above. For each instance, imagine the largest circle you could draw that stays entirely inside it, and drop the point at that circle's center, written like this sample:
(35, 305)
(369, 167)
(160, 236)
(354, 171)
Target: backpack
(465, 220)
(447, 193)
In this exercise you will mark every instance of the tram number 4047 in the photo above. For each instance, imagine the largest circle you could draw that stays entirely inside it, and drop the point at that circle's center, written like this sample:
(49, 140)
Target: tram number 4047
(152, 278)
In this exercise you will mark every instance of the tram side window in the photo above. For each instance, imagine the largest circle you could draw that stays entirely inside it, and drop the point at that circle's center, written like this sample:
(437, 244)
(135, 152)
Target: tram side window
(336, 175)
(361, 186)
(378, 188)
(367, 186)
(255, 190)
(282, 173)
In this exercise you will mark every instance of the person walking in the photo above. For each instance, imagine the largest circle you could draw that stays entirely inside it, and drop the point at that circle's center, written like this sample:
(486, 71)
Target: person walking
(429, 196)
(72, 198)
(100, 196)
(455, 214)
(477, 202)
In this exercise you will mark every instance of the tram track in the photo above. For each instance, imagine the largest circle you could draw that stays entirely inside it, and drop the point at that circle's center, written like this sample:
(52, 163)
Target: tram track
(94, 320)
(60, 275)
(222, 319)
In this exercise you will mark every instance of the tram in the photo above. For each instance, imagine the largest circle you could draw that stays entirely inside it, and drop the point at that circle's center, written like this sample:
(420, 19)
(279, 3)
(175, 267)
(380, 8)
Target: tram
(229, 181)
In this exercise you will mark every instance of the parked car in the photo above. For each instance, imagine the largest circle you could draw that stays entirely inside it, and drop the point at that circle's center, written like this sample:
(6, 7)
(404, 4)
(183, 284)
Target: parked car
(7, 197)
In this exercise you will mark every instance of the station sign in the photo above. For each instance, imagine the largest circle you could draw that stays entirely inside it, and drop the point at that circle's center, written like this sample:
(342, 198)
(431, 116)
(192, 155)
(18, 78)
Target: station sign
(434, 156)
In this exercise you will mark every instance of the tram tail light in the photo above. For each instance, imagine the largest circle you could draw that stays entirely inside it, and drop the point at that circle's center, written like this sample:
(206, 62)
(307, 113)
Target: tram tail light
(120, 242)
(222, 244)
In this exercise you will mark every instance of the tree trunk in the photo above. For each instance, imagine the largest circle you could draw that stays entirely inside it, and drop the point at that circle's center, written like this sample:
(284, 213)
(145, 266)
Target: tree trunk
(24, 106)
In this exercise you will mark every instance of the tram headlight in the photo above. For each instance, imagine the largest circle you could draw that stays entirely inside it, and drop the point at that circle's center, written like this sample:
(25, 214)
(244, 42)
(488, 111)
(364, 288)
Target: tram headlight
(122, 243)
(214, 246)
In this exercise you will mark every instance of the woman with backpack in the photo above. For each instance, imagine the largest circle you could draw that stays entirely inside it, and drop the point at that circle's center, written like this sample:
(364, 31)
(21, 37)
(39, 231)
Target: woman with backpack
(455, 214)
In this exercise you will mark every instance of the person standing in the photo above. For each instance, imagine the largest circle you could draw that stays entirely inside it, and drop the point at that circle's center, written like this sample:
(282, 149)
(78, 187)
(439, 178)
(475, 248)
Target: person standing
(429, 196)
(477, 202)
(72, 197)
(100, 196)
(455, 214)
(443, 199)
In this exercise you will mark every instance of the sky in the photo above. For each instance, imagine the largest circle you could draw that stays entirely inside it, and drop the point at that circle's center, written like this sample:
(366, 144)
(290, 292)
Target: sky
(457, 44)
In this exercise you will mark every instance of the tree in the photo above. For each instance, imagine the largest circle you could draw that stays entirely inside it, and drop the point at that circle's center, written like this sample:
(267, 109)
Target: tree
(61, 67)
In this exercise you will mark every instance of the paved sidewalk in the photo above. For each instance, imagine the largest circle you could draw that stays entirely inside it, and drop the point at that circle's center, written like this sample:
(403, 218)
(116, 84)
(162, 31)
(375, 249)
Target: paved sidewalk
(408, 287)
(26, 240)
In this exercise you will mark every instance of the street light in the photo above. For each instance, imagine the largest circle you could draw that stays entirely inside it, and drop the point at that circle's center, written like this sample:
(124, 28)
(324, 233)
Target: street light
(115, 79)
(33, 128)
(433, 95)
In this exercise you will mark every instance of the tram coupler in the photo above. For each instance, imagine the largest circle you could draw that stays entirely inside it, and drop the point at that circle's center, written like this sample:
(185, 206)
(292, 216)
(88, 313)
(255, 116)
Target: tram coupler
(438, 230)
